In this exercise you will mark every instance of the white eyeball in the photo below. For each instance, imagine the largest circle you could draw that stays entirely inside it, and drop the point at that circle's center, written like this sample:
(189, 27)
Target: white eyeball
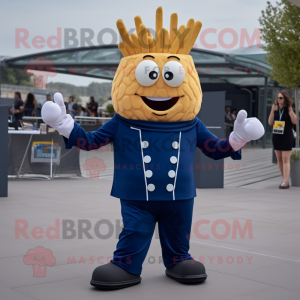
(147, 73)
(173, 73)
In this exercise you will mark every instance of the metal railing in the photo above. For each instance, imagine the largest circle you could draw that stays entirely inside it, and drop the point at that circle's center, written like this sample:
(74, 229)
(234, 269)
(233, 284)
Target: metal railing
(32, 118)
(228, 128)
(91, 120)
(78, 119)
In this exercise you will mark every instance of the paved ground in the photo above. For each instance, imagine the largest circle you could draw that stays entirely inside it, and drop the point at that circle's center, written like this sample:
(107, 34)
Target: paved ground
(263, 266)
(256, 166)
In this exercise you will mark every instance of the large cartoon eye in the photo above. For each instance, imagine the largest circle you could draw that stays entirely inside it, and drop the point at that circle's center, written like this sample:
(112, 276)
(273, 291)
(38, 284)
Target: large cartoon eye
(147, 73)
(173, 73)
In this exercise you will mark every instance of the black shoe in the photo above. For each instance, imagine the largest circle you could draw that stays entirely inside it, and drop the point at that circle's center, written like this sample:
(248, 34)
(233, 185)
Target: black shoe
(187, 271)
(113, 277)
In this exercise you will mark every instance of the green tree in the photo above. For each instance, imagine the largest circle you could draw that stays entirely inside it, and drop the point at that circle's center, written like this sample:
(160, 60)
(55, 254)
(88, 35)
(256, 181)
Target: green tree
(280, 29)
(15, 77)
(110, 109)
(77, 98)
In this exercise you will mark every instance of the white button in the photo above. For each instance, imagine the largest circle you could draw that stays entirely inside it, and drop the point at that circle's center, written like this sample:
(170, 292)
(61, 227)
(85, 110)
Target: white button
(151, 187)
(147, 159)
(145, 144)
(171, 174)
(173, 160)
(149, 173)
(175, 145)
(170, 187)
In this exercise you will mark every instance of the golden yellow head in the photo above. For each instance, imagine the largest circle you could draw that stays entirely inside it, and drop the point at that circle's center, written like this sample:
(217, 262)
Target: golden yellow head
(157, 80)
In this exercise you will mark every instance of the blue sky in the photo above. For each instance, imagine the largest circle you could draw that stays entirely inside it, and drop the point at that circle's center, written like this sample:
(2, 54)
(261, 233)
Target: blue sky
(43, 18)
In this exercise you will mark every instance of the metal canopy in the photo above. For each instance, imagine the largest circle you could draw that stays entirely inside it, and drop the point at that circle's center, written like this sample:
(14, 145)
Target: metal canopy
(102, 62)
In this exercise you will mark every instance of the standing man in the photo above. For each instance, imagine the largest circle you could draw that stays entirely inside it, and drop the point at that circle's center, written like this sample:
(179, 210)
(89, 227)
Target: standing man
(70, 107)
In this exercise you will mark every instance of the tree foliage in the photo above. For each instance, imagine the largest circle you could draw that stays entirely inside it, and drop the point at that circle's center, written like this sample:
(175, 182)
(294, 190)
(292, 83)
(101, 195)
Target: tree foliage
(101, 91)
(15, 77)
(77, 98)
(280, 29)
(110, 109)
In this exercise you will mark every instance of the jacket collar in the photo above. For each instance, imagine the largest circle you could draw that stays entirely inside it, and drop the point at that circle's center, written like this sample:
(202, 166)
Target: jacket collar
(157, 126)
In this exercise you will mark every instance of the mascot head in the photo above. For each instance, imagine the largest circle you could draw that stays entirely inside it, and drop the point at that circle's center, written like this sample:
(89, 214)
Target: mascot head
(157, 79)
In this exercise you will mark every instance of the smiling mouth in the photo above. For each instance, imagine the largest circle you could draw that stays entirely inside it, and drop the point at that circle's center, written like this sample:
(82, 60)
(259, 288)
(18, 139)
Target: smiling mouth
(160, 103)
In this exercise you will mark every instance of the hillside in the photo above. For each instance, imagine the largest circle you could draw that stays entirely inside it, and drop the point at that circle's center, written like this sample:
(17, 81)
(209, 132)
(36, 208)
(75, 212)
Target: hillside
(101, 91)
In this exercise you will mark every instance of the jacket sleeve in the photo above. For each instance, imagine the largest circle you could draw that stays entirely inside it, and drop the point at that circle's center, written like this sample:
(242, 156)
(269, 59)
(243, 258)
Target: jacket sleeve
(213, 147)
(92, 140)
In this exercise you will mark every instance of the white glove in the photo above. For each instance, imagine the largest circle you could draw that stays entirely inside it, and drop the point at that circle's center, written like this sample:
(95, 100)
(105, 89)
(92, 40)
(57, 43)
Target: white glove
(54, 114)
(245, 130)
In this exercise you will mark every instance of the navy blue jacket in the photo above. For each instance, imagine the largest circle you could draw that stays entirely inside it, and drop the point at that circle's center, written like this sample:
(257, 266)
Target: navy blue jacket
(153, 160)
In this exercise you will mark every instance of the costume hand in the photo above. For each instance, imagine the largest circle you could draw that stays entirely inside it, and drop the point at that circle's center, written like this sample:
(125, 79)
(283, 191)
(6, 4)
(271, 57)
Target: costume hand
(245, 130)
(54, 114)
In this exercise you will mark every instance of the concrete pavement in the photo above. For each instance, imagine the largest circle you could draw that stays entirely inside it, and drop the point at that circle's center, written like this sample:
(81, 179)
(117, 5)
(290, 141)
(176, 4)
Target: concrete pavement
(248, 238)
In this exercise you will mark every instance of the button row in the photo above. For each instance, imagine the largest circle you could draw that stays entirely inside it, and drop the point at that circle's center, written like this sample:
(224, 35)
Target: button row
(149, 173)
(147, 159)
(145, 145)
(151, 187)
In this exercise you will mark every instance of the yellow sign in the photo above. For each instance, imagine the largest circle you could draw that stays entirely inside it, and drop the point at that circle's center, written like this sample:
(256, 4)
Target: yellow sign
(278, 127)
(44, 143)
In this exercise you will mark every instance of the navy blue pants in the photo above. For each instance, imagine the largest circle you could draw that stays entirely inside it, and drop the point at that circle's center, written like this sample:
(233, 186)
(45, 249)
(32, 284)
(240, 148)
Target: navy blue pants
(139, 218)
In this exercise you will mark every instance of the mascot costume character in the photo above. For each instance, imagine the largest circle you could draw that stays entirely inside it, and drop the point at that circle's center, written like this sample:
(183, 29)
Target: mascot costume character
(156, 94)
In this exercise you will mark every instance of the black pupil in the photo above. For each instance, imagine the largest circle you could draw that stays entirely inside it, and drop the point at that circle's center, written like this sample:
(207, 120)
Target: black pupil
(169, 75)
(153, 75)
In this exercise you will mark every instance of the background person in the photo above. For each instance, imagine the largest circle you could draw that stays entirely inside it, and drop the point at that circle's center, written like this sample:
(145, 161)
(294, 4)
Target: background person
(228, 121)
(81, 113)
(233, 114)
(228, 118)
(30, 105)
(92, 107)
(18, 108)
(48, 97)
(70, 109)
(283, 137)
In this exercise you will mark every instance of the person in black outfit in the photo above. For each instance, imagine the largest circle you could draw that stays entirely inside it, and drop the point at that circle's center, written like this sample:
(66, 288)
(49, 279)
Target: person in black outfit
(92, 107)
(18, 107)
(30, 105)
(283, 138)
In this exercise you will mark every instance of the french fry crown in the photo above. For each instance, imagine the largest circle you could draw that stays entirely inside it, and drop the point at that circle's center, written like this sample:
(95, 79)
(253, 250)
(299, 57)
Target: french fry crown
(177, 41)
